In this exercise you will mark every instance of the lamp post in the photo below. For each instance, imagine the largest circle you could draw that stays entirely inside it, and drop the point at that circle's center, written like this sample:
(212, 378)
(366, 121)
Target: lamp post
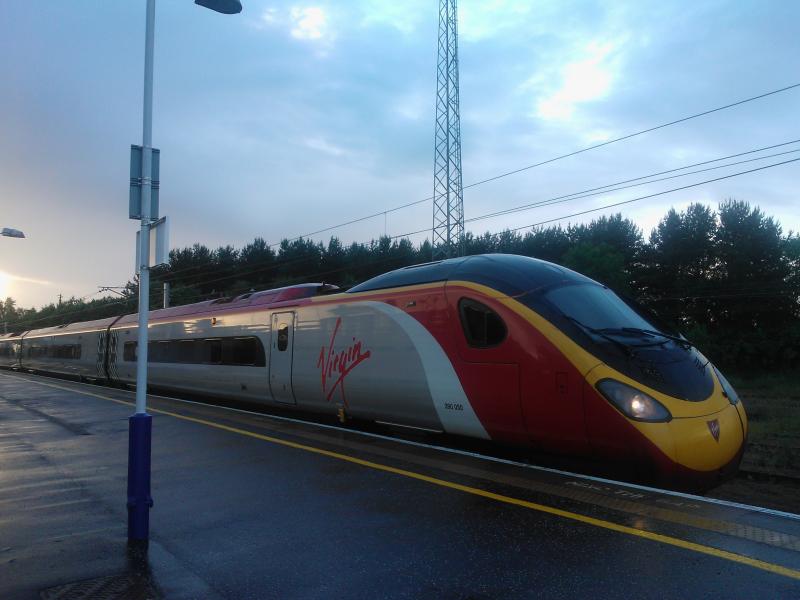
(140, 424)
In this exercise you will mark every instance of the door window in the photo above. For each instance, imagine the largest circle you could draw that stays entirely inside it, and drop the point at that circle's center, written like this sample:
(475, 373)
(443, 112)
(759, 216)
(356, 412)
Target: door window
(283, 337)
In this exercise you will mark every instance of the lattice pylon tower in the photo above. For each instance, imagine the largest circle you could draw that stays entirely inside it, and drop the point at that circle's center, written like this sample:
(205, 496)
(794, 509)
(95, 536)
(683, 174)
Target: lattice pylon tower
(448, 194)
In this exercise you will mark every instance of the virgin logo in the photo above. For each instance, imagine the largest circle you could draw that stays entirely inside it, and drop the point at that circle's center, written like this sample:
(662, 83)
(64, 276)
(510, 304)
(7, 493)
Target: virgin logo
(336, 365)
(713, 427)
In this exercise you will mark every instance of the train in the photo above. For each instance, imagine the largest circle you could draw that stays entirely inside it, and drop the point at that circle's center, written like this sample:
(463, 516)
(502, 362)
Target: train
(502, 348)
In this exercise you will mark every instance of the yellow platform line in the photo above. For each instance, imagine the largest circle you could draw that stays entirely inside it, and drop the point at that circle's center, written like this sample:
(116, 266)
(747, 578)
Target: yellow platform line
(648, 535)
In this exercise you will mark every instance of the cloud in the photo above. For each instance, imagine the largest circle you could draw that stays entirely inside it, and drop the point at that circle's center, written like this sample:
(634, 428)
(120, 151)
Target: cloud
(309, 23)
(270, 17)
(405, 16)
(322, 145)
(489, 18)
(27, 279)
(585, 80)
(413, 106)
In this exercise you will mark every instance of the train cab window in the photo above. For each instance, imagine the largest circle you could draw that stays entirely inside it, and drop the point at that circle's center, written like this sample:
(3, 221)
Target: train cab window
(483, 327)
(283, 337)
(129, 352)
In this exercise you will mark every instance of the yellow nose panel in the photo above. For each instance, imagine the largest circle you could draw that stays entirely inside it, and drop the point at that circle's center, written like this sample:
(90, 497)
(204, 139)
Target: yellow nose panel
(696, 444)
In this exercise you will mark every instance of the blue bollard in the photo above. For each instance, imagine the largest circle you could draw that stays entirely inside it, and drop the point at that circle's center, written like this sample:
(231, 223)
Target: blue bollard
(140, 427)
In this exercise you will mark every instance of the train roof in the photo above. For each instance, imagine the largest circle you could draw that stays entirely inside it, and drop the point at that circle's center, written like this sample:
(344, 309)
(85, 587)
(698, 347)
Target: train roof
(229, 304)
(80, 327)
(508, 273)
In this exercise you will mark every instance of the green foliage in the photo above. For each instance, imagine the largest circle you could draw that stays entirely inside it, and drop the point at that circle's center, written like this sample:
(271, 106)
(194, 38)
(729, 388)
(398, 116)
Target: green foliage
(728, 278)
(601, 262)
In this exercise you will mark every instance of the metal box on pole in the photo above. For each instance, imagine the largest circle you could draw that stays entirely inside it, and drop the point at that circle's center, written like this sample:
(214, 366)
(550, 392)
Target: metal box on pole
(135, 197)
(159, 244)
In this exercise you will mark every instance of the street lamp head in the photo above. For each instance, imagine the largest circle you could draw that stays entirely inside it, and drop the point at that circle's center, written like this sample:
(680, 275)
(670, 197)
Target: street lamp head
(226, 7)
(15, 233)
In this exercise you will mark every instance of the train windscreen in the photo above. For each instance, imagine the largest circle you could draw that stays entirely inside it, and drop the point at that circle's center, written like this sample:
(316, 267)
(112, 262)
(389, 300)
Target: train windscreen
(627, 337)
(596, 307)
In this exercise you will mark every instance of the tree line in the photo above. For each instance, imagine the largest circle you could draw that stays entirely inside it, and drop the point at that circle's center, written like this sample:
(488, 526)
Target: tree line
(728, 278)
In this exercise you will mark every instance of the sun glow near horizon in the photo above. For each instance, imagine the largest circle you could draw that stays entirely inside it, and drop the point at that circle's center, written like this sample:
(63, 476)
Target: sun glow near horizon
(5, 285)
(16, 286)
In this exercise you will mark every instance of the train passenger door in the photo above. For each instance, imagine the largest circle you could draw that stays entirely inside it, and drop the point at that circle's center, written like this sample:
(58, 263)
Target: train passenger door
(280, 357)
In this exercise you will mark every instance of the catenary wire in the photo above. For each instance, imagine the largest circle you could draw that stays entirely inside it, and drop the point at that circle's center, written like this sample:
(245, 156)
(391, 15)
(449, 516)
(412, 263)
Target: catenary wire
(637, 199)
(552, 160)
(696, 184)
(566, 196)
(282, 265)
(611, 188)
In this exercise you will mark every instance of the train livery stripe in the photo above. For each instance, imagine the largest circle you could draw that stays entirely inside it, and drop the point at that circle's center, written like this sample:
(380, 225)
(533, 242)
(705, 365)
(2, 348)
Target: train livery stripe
(608, 525)
(451, 403)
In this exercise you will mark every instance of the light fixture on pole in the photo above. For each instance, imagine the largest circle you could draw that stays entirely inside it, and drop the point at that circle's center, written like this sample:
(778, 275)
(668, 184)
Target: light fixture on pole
(143, 207)
(13, 233)
(226, 7)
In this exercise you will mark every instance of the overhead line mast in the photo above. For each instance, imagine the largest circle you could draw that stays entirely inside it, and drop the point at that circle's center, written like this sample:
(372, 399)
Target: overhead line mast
(448, 194)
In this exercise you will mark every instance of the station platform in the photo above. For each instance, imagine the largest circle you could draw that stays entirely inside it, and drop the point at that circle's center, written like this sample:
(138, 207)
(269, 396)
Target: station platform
(259, 506)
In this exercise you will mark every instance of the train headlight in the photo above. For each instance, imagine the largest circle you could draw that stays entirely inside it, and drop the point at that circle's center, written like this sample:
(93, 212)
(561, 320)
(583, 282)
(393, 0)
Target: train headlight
(633, 403)
(727, 388)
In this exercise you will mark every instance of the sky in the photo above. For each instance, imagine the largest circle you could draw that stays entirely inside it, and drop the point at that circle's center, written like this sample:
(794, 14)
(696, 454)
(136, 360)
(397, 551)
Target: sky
(295, 116)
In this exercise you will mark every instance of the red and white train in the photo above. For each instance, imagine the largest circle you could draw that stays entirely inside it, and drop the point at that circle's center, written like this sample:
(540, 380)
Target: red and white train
(497, 347)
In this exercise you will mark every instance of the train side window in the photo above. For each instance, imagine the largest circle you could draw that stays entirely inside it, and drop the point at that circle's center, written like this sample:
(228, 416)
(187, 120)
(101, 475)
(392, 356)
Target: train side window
(283, 337)
(157, 351)
(213, 351)
(482, 327)
(227, 351)
(261, 356)
(129, 352)
(185, 351)
(244, 351)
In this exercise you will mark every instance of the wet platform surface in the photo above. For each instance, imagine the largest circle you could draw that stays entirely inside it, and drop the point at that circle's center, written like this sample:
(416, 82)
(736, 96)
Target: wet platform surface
(253, 506)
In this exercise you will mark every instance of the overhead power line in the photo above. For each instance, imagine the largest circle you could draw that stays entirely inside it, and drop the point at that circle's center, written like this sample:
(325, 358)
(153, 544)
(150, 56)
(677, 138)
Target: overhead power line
(279, 265)
(554, 159)
(550, 160)
(240, 273)
(662, 193)
(610, 188)
(575, 195)
(635, 134)
(613, 204)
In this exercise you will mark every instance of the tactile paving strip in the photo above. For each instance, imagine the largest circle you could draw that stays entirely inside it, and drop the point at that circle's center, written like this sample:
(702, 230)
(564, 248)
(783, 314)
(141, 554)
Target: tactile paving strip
(127, 586)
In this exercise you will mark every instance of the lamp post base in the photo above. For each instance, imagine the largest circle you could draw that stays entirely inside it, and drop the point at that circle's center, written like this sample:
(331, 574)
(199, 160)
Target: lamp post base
(140, 427)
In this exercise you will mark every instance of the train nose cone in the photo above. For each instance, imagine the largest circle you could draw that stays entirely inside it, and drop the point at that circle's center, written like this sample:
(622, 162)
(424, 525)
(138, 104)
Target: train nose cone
(710, 444)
